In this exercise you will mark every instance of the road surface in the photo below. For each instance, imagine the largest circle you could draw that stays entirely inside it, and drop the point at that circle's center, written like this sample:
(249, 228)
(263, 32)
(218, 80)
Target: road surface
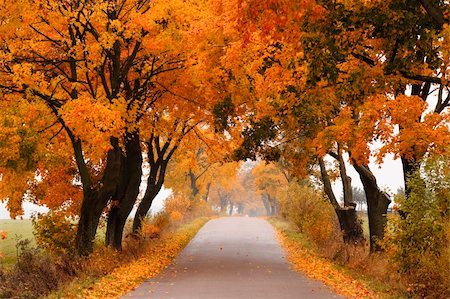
(232, 258)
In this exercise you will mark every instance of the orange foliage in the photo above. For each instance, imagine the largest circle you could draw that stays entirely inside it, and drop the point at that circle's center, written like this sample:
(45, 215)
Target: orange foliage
(93, 75)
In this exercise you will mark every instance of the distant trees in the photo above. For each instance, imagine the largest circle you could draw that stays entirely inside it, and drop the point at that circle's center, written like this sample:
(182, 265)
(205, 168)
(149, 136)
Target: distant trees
(359, 197)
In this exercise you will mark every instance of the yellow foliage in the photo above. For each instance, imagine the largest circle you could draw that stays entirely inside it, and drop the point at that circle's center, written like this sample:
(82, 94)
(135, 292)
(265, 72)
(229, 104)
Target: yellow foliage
(150, 230)
(269, 179)
(176, 216)
(55, 232)
(178, 205)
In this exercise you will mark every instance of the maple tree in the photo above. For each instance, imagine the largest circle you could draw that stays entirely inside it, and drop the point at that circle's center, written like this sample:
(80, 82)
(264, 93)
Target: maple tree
(374, 78)
(191, 170)
(97, 67)
(93, 92)
(160, 150)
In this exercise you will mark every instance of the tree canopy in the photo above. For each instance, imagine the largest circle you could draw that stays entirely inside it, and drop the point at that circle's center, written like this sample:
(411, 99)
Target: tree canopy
(93, 91)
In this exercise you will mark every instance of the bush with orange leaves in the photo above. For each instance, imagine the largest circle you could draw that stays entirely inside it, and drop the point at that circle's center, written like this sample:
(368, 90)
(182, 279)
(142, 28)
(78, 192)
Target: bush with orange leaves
(180, 209)
(311, 214)
(177, 211)
(55, 232)
(177, 206)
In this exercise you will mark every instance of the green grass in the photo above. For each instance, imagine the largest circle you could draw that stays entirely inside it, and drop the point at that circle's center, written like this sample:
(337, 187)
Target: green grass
(365, 223)
(17, 230)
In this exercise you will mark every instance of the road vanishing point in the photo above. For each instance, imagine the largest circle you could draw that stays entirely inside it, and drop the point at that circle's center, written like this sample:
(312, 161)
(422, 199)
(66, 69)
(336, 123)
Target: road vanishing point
(232, 258)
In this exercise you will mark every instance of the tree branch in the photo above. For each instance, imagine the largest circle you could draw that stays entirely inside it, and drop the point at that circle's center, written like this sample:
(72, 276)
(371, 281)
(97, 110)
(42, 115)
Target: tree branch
(434, 12)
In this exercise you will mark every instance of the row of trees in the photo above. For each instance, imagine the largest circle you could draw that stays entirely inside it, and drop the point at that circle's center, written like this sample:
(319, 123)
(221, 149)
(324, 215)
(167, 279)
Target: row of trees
(87, 89)
(93, 90)
(332, 78)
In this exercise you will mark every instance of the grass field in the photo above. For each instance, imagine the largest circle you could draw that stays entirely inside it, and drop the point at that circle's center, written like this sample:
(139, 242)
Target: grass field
(17, 230)
(365, 223)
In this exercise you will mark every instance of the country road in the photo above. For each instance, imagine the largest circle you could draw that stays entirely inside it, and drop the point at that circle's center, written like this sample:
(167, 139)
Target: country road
(235, 257)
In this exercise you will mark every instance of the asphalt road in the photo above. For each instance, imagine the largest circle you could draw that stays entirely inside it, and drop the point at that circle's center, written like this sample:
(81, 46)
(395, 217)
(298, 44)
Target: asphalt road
(235, 257)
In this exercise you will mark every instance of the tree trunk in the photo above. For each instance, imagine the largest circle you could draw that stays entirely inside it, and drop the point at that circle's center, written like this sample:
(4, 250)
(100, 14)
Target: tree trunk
(95, 199)
(273, 205)
(87, 224)
(411, 165)
(327, 184)
(144, 207)
(350, 225)
(208, 189)
(346, 181)
(223, 203)
(154, 184)
(193, 183)
(348, 219)
(231, 207)
(158, 165)
(267, 205)
(224, 197)
(240, 208)
(377, 204)
(128, 190)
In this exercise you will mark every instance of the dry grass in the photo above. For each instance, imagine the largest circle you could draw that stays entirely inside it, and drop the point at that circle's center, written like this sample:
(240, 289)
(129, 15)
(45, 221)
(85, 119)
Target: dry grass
(350, 270)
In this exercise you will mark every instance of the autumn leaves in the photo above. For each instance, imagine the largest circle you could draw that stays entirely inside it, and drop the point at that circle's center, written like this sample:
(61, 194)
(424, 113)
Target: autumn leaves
(339, 77)
(110, 80)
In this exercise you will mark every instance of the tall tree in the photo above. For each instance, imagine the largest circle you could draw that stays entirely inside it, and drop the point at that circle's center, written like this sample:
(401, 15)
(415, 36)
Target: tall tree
(99, 67)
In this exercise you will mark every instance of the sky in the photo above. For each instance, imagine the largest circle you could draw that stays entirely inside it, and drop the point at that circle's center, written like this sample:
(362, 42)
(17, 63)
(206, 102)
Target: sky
(30, 208)
(389, 176)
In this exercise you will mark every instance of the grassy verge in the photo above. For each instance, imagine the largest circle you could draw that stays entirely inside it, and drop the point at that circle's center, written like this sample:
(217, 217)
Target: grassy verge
(365, 223)
(154, 258)
(16, 230)
(345, 280)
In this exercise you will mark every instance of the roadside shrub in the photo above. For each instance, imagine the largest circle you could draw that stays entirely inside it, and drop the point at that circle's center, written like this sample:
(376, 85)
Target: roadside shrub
(311, 214)
(35, 273)
(177, 206)
(160, 220)
(55, 233)
(417, 242)
(3, 236)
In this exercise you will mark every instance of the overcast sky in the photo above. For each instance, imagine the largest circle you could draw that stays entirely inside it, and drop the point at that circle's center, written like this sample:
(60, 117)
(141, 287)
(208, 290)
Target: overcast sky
(30, 208)
(389, 176)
